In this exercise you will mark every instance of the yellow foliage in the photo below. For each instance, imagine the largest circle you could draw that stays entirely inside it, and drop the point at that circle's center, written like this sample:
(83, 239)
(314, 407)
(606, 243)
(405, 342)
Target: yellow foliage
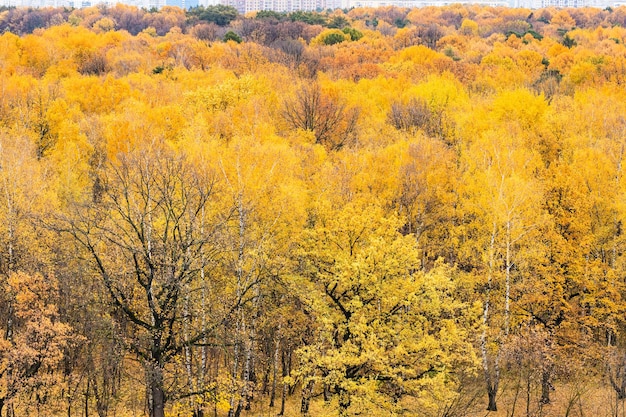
(582, 73)
(482, 179)
(222, 96)
(469, 27)
(96, 95)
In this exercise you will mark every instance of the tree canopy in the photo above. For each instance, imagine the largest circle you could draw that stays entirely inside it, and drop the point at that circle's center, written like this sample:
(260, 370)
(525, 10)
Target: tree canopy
(379, 211)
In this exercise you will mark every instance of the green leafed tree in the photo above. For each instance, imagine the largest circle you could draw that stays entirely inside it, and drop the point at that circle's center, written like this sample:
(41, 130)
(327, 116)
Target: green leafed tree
(219, 14)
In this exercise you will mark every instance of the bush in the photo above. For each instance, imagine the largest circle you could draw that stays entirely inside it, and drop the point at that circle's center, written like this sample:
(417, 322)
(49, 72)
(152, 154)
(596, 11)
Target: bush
(330, 37)
(232, 36)
(354, 34)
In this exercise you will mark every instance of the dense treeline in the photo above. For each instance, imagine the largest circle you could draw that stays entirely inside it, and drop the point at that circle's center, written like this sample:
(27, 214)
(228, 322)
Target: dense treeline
(392, 211)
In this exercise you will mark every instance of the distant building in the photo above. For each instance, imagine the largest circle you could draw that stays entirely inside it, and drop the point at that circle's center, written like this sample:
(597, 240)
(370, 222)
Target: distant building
(183, 4)
(538, 4)
(424, 3)
(245, 6)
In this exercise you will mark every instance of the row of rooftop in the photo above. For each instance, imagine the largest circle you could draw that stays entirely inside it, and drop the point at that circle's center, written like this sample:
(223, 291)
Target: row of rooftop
(245, 6)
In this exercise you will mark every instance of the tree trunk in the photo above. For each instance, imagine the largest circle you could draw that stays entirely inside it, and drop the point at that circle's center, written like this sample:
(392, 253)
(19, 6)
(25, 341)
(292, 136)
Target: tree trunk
(235, 371)
(275, 367)
(306, 398)
(265, 385)
(492, 406)
(325, 388)
(283, 399)
(249, 377)
(286, 362)
(240, 326)
(87, 399)
(157, 405)
(617, 377)
(238, 410)
(158, 402)
(491, 367)
(344, 403)
(192, 385)
(546, 386)
(528, 380)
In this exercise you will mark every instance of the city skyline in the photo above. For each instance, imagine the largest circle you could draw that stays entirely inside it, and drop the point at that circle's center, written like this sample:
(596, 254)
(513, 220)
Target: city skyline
(247, 6)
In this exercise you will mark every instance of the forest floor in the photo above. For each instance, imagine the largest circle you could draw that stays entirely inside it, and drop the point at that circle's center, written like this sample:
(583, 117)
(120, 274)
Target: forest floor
(589, 398)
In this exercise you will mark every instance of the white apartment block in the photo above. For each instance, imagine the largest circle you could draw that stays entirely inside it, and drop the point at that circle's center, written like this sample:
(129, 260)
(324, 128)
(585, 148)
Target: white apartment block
(245, 6)
(538, 4)
(337, 4)
(144, 4)
(424, 3)
(206, 3)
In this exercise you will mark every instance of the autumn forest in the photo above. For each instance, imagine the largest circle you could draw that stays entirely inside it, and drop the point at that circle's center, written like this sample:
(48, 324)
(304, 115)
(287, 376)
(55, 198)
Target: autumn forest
(383, 212)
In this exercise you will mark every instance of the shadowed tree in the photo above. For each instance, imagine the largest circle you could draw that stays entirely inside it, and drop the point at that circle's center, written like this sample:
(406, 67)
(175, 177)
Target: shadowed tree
(150, 235)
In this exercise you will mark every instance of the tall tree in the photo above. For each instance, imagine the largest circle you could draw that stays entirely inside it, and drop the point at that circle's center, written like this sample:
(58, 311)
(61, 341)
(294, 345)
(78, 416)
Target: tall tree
(32, 338)
(149, 231)
(501, 219)
(386, 331)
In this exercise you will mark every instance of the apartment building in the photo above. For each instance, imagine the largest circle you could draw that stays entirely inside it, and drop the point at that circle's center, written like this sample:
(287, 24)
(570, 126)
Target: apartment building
(245, 6)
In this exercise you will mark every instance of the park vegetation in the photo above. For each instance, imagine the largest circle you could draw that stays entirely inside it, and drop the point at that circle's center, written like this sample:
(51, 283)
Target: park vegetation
(386, 212)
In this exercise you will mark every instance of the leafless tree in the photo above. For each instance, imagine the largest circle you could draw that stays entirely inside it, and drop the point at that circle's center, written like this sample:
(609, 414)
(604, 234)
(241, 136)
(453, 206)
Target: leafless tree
(333, 123)
(150, 237)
